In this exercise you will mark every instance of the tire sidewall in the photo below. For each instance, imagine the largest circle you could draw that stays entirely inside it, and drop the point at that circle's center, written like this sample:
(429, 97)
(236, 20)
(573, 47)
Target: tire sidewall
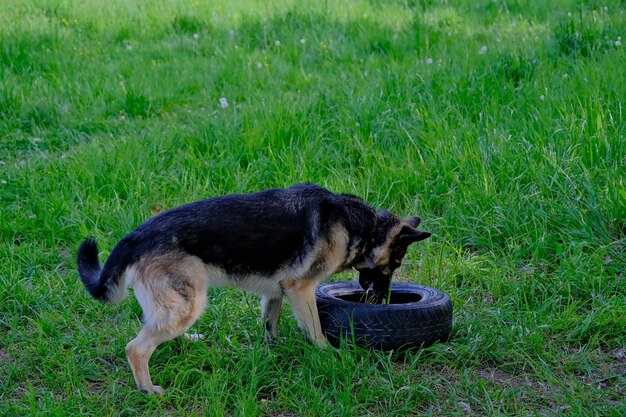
(384, 326)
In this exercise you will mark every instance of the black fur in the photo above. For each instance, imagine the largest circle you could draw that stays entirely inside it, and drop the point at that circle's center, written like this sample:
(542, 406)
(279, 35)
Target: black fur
(253, 233)
(89, 268)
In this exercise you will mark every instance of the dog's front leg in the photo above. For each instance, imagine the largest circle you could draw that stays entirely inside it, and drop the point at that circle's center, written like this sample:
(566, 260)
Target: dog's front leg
(301, 295)
(270, 312)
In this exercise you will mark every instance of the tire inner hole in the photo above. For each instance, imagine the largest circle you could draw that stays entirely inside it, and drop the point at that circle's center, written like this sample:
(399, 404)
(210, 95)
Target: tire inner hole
(395, 298)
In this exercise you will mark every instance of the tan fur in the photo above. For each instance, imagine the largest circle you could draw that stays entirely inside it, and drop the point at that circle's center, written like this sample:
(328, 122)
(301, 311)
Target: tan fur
(167, 313)
(301, 295)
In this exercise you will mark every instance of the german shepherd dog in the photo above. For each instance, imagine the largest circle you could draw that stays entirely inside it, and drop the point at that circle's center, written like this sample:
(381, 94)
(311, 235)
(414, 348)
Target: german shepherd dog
(277, 243)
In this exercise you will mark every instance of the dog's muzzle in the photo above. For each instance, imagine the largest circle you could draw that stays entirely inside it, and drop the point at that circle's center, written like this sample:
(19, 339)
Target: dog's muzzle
(376, 278)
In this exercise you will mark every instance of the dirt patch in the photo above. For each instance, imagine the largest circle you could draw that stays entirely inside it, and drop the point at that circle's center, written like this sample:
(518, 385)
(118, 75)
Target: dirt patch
(4, 356)
(496, 376)
(96, 387)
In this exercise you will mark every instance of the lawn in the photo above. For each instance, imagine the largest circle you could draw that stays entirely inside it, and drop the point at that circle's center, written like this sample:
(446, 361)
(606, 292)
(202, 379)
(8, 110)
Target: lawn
(500, 123)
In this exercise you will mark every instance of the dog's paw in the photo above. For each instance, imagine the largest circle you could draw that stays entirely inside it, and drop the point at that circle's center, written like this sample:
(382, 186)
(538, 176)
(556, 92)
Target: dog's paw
(154, 389)
(193, 337)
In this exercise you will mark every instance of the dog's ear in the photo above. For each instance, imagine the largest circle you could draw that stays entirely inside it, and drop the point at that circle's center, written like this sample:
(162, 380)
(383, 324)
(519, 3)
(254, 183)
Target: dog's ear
(413, 221)
(410, 235)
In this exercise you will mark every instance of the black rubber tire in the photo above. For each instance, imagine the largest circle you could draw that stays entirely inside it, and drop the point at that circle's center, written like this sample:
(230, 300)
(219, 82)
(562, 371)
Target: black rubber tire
(384, 326)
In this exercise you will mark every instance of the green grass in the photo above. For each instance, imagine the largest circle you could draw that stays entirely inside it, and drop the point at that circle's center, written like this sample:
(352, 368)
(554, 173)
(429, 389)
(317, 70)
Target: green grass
(514, 158)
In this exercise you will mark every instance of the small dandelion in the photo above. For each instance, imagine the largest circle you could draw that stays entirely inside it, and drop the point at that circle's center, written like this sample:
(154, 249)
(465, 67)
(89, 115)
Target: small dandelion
(483, 50)
(565, 75)
(196, 36)
(429, 61)
(223, 102)
(542, 97)
(277, 43)
(129, 47)
(259, 65)
(618, 42)
(302, 41)
(3, 182)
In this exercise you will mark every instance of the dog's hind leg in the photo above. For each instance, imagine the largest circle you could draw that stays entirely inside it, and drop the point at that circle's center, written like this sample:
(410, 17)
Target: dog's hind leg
(138, 351)
(301, 296)
(172, 296)
(270, 312)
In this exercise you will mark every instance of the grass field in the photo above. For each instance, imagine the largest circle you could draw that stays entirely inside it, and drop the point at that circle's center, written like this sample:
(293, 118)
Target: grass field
(500, 123)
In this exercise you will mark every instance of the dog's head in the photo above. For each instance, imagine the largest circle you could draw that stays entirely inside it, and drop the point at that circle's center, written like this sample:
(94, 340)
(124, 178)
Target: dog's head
(386, 249)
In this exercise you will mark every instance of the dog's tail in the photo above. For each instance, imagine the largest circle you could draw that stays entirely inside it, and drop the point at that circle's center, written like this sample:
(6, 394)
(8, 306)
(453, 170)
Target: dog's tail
(108, 284)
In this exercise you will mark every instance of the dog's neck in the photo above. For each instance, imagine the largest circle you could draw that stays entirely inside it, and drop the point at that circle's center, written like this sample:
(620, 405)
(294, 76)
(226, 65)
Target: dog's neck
(359, 246)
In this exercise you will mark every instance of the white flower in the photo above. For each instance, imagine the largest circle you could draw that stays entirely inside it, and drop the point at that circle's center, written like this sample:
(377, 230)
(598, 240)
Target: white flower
(3, 182)
(565, 75)
(259, 65)
(618, 42)
(429, 61)
(277, 43)
(37, 140)
(302, 41)
(223, 102)
(196, 36)
(542, 97)
(129, 47)
(483, 50)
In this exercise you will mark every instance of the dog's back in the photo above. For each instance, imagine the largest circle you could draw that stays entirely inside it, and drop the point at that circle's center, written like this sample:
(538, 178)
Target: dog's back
(242, 234)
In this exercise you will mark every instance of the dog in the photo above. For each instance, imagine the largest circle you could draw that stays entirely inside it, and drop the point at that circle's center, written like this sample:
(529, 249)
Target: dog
(276, 243)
